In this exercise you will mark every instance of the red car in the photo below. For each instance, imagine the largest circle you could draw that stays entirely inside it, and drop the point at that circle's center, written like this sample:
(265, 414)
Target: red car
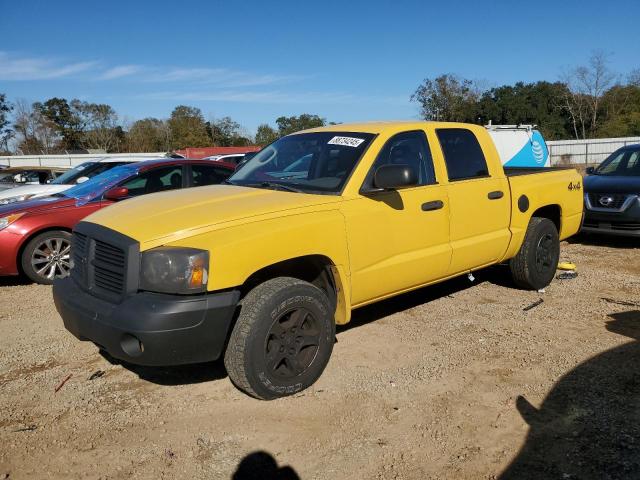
(35, 235)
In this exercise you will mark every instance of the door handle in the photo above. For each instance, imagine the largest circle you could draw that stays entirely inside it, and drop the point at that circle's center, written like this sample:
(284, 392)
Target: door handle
(495, 195)
(434, 205)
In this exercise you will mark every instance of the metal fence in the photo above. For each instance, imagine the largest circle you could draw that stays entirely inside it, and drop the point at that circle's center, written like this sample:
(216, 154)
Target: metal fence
(70, 160)
(585, 152)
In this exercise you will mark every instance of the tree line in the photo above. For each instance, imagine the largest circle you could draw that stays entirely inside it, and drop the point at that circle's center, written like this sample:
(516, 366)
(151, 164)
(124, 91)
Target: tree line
(590, 101)
(58, 126)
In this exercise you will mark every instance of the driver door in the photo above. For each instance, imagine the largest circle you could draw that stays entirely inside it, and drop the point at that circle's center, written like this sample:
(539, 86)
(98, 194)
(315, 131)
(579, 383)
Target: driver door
(398, 239)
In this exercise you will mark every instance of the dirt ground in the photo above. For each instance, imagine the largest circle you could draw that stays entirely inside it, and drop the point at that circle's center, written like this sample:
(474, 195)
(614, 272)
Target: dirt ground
(449, 382)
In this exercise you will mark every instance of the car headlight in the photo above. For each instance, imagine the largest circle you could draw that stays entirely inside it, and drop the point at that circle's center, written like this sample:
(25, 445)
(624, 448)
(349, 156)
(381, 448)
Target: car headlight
(174, 270)
(9, 219)
(19, 198)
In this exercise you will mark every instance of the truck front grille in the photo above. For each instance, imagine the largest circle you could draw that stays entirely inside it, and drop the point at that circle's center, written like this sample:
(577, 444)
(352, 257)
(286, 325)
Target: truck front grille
(109, 267)
(105, 262)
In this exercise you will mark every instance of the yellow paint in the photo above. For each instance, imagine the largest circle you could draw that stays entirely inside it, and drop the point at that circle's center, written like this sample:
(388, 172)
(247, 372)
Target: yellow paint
(379, 245)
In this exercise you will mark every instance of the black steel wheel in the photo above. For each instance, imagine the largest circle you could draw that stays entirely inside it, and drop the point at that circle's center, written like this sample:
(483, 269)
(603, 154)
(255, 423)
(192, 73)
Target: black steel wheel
(47, 256)
(535, 264)
(282, 340)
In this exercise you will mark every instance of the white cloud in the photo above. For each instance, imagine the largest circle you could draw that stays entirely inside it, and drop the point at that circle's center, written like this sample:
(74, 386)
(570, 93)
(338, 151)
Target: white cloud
(30, 68)
(273, 97)
(121, 71)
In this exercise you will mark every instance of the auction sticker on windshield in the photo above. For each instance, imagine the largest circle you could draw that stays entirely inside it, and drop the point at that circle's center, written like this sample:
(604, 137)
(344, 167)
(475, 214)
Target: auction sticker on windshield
(346, 141)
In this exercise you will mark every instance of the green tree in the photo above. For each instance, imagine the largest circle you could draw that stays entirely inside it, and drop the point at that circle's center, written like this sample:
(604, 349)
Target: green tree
(225, 132)
(266, 135)
(526, 103)
(188, 128)
(148, 135)
(287, 125)
(6, 132)
(446, 98)
(67, 118)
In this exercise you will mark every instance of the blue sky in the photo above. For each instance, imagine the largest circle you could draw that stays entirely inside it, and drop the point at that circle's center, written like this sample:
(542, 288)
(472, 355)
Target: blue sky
(257, 60)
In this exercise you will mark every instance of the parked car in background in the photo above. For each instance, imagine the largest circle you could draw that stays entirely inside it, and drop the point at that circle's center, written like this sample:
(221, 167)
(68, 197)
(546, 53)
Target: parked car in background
(13, 177)
(612, 194)
(35, 234)
(235, 158)
(262, 269)
(74, 176)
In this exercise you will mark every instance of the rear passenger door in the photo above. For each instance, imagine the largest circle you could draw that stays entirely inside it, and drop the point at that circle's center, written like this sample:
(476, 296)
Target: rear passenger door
(479, 201)
(155, 180)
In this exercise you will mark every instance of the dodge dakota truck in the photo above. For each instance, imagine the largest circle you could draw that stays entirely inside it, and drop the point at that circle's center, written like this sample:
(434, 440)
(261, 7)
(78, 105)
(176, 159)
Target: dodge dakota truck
(260, 270)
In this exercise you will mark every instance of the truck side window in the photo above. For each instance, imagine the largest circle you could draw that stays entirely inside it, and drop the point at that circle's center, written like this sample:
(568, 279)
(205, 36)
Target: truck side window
(406, 148)
(462, 154)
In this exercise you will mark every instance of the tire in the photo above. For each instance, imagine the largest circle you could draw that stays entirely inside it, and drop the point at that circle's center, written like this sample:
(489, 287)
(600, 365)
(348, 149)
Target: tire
(267, 357)
(535, 264)
(47, 256)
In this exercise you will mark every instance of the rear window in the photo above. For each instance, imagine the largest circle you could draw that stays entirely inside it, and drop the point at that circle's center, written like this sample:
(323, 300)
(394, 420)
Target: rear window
(462, 154)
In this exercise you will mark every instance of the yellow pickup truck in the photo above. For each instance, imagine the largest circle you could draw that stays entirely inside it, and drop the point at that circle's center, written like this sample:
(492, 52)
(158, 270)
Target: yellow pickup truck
(262, 269)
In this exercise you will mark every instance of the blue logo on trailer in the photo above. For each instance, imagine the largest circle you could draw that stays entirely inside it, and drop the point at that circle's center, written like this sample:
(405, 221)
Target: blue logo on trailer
(534, 153)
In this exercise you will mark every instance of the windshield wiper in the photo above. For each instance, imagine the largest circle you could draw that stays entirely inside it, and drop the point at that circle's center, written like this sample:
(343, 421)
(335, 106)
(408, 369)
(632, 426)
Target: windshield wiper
(275, 186)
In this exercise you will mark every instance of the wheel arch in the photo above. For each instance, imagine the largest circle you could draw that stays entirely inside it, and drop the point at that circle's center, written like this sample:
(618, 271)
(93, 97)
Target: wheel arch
(551, 212)
(30, 237)
(317, 269)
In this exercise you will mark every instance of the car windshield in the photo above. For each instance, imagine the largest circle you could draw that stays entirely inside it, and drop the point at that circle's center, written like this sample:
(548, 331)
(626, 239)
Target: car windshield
(625, 163)
(96, 186)
(319, 162)
(87, 169)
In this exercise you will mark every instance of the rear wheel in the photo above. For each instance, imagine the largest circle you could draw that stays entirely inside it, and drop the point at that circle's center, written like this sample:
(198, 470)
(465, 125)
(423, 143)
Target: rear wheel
(535, 264)
(282, 340)
(47, 256)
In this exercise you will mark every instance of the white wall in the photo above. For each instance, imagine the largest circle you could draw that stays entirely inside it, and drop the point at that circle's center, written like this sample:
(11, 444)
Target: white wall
(583, 152)
(68, 160)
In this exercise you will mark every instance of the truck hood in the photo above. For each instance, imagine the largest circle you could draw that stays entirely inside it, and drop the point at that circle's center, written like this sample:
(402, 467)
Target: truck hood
(612, 184)
(33, 190)
(162, 218)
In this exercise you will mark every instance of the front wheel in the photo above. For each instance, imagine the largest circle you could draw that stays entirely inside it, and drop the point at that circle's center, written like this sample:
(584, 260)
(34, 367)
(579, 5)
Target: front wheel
(535, 264)
(47, 256)
(282, 340)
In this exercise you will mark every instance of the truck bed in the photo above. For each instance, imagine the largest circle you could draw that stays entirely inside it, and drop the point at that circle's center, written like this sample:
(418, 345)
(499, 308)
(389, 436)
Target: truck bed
(516, 171)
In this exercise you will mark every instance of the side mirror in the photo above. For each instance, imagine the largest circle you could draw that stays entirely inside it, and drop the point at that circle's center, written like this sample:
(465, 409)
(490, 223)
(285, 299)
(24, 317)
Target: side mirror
(19, 178)
(118, 193)
(590, 170)
(390, 177)
(82, 180)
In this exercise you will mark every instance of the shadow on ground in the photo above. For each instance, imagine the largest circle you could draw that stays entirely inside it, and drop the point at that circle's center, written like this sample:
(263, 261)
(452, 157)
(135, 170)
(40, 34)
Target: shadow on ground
(262, 466)
(588, 426)
(497, 275)
(177, 375)
(598, 240)
(14, 281)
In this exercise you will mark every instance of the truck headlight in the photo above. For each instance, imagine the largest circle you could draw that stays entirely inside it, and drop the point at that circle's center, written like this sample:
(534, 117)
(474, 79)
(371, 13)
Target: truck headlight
(9, 219)
(19, 198)
(174, 270)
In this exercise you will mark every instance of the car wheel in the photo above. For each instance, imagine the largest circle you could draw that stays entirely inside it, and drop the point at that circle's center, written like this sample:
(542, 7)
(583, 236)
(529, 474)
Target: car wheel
(282, 340)
(535, 264)
(47, 256)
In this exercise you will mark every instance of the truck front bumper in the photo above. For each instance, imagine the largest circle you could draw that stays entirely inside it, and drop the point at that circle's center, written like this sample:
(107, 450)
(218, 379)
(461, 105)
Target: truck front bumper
(149, 328)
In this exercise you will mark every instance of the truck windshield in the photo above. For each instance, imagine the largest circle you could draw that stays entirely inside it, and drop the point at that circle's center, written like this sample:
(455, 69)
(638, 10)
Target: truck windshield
(624, 163)
(96, 186)
(319, 162)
